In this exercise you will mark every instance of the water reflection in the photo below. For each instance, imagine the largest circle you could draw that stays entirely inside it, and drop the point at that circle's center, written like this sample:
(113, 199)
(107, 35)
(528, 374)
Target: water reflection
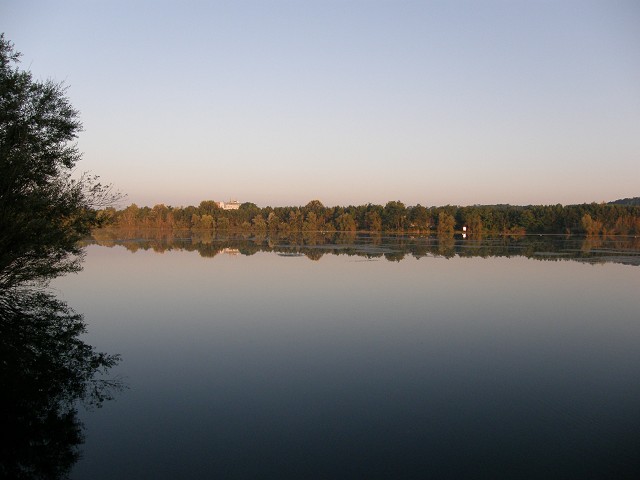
(367, 363)
(45, 371)
(394, 248)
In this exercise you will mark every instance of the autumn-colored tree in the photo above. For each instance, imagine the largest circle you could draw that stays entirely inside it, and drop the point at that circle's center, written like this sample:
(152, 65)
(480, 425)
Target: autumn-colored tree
(373, 222)
(259, 224)
(446, 224)
(591, 226)
(207, 222)
(311, 222)
(346, 223)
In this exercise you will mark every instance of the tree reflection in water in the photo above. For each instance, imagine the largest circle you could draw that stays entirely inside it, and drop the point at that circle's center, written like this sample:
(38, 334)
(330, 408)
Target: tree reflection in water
(46, 371)
(394, 248)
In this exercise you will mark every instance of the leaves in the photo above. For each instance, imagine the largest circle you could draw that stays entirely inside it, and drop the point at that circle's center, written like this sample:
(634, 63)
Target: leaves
(44, 212)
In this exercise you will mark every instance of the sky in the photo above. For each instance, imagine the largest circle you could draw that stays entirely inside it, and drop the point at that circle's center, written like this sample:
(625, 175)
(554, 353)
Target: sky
(346, 101)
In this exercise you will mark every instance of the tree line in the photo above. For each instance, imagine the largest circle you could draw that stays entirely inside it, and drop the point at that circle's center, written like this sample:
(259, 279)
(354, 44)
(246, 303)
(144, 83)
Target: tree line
(395, 216)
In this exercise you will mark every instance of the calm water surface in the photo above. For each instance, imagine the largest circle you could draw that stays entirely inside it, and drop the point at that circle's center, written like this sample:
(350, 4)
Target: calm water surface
(272, 365)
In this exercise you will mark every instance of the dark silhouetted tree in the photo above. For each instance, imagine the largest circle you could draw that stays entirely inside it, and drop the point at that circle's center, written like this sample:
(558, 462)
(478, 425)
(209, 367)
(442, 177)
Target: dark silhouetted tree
(43, 210)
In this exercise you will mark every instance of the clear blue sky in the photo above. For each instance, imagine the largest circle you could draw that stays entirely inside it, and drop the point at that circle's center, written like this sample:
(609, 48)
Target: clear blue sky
(280, 102)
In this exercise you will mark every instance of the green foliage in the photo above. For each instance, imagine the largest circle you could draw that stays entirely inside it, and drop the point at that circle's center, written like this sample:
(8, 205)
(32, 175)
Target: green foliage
(446, 224)
(373, 221)
(46, 368)
(206, 222)
(627, 201)
(43, 210)
(394, 217)
(419, 218)
(208, 207)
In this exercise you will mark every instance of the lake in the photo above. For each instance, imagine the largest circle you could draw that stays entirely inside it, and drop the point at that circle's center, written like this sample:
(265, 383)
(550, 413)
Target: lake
(362, 357)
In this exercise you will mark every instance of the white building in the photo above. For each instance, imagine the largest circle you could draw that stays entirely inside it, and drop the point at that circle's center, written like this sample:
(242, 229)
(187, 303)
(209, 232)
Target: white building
(232, 205)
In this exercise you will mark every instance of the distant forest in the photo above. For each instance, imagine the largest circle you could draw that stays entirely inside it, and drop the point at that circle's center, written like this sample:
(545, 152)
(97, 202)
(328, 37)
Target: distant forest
(590, 219)
(627, 201)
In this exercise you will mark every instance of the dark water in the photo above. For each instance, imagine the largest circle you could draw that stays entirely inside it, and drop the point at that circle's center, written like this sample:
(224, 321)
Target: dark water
(364, 358)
